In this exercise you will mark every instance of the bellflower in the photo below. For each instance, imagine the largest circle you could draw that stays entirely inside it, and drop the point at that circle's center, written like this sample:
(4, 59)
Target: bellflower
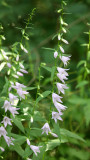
(65, 59)
(59, 107)
(61, 87)
(62, 71)
(2, 149)
(6, 105)
(35, 149)
(8, 140)
(61, 48)
(13, 110)
(62, 77)
(46, 128)
(56, 115)
(12, 98)
(55, 54)
(56, 97)
(3, 132)
(6, 121)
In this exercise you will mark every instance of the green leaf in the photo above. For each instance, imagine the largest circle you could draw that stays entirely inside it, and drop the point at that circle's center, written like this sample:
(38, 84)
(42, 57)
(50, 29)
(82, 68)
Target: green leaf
(18, 123)
(27, 152)
(81, 84)
(16, 147)
(80, 63)
(30, 88)
(87, 112)
(52, 73)
(47, 68)
(70, 134)
(44, 94)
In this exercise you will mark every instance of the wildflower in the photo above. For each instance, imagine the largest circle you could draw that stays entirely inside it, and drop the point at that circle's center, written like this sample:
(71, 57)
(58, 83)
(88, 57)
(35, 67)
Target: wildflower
(3, 132)
(65, 59)
(19, 73)
(2, 149)
(4, 54)
(6, 105)
(12, 98)
(59, 107)
(59, 37)
(28, 142)
(55, 54)
(61, 48)
(13, 110)
(21, 65)
(17, 58)
(56, 97)
(61, 87)
(35, 149)
(23, 70)
(9, 65)
(62, 77)
(65, 41)
(6, 121)
(56, 115)
(46, 128)
(8, 140)
(22, 93)
(62, 71)
(54, 135)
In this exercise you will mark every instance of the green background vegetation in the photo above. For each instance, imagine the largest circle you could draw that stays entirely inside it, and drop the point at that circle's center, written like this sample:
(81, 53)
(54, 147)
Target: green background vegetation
(44, 26)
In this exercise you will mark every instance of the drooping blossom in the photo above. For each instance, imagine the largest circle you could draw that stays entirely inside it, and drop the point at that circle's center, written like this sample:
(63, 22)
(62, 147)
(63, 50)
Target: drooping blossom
(62, 71)
(2, 149)
(59, 107)
(65, 59)
(57, 116)
(46, 128)
(55, 54)
(12, 98)
(13, 111)
(62, 77)
(6, 121)
(61, 87)
(9, 140)
(3, 131)
(23, 70)
(9, 65)
(19, 74)
(56, 97)
(35, 149)
(61, 48)
(6, 105)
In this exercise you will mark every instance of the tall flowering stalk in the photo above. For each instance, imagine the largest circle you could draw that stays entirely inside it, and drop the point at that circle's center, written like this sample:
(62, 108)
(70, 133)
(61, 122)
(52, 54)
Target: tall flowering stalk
(61, 74)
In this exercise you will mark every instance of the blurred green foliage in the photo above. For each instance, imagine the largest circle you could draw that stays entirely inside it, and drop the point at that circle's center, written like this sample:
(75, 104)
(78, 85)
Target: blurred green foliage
(13, 15)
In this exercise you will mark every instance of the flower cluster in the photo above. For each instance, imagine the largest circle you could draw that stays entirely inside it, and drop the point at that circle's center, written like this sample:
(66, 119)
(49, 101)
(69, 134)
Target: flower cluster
(61, 74)
(10, 104)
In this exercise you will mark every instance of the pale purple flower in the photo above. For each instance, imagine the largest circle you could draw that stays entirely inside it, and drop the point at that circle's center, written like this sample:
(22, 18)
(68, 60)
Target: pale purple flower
(8, 140)
(6, 121)
(35, 149)
(6, 105)
(17, 58)
(9, 65)
(61, 87)
(15, 76)
(54, 135)
(21, 65)
(59, 37)
(23, 70)
(61, 48)
(22, 93)
(56, 97)
(59, 107)
(2, 149)
(46, 128)
(62, 77)
(56, 115)
(23, 48)
(13, 110)
(65, 41)
(55, 54)
(12, 98)
(19, 73)
(62, 71)
(65, 59)
(3, 132)
(28, 142)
